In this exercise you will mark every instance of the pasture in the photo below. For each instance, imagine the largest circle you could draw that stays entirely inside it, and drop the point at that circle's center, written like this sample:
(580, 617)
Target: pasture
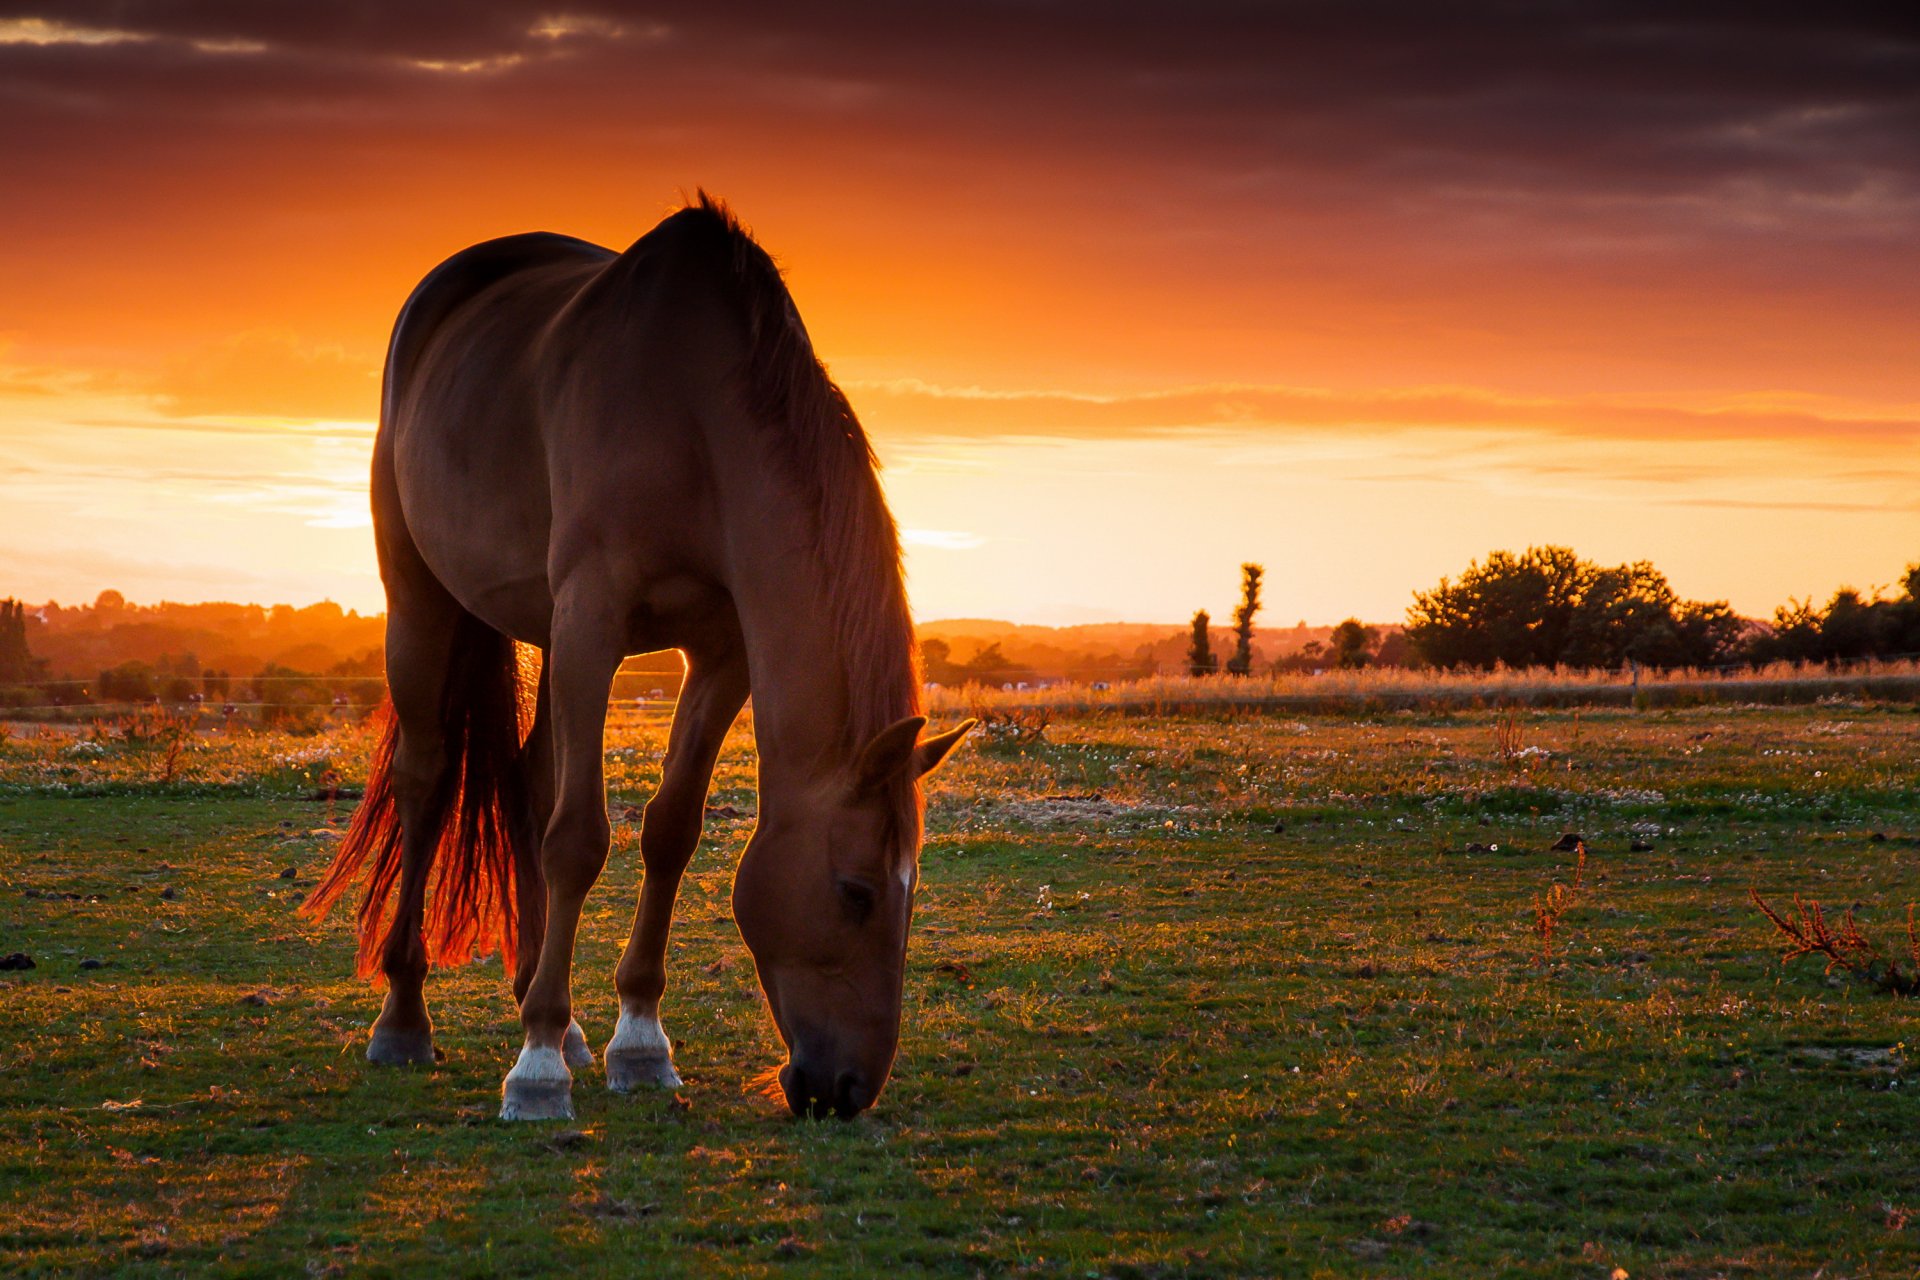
(1214, 995)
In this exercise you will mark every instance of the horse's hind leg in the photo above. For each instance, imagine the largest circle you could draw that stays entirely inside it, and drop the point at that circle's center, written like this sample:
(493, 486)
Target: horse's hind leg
(421, 633)
(585, 653)
(532, 893)
(640, 1053)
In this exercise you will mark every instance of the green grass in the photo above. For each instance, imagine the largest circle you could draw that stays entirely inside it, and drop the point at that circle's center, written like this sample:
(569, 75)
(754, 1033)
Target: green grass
(1146, 1034)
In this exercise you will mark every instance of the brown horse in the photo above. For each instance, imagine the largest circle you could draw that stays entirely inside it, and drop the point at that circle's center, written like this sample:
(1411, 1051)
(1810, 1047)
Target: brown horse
(597, 455)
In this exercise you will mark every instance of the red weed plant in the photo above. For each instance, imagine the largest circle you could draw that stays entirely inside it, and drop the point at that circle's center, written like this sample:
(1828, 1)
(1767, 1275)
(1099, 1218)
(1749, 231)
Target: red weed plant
(1549, 907)
(1847, 949)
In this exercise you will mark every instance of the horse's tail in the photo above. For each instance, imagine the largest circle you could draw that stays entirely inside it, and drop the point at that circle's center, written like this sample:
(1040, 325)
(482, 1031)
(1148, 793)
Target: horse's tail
(485, 859)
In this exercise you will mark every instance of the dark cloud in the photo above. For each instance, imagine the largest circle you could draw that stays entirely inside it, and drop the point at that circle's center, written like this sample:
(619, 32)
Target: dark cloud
(1729, 103)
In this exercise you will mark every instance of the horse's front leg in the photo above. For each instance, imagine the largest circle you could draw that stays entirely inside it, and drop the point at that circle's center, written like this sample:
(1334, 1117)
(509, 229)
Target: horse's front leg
(640, 1053)
(584, 655)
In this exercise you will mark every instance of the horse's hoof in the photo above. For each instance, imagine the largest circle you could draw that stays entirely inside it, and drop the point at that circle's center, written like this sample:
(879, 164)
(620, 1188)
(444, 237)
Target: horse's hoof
(538, 1088)
(628, 1070)
(392, 1047)
(537, 1100)
(574, 1048)
(640, 1056)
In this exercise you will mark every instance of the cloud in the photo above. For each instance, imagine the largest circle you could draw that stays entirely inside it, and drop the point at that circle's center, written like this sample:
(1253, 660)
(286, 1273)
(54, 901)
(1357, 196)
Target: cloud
(271, 374)
(272, 384)
(906, 408)
(40, 32)
(943, 539)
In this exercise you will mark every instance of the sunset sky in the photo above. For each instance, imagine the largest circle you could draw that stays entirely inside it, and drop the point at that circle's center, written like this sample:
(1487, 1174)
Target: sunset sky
(1126, 294)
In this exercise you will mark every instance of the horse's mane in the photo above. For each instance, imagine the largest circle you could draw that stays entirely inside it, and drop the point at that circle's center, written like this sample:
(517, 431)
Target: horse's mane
(828, 455)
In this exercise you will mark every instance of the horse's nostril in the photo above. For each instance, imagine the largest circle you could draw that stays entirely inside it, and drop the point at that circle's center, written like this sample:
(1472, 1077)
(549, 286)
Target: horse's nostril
(851, 1094)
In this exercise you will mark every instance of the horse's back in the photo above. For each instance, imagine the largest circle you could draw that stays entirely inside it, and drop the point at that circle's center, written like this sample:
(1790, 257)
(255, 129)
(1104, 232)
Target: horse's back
(459, 429)
(548, 402)
(464, 277)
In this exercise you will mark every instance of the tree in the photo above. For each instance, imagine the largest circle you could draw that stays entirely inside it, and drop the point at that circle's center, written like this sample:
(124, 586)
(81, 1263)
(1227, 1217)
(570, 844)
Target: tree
(1794, 635)
(1516, 610)
(1709, 634)
(989, 666)
(937, 664)
(1622, 613)
(17, 663)
(128, 682)
(1201, 660)
(1352, 644)
(1394, 651)
(1903, 615)
(1848, 626)
(290, 697)
(1242, 661)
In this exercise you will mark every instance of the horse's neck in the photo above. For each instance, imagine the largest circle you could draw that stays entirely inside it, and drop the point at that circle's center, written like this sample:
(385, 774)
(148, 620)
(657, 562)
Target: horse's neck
(800, 701)
(784, 592)
(799, 679)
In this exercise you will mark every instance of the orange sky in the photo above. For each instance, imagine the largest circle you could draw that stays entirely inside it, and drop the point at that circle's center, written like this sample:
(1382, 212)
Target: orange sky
(1358, 292)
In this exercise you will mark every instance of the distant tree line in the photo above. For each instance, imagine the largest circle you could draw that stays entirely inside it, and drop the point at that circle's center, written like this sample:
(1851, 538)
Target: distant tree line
(110, 652)
(1351, 645)
(281, 693)
(1850, 628)
(1543, 607)
(989, 666)
(79, 641)
(1548, 607)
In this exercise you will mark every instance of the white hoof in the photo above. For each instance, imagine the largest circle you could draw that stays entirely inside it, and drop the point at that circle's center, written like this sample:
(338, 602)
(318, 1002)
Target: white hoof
(574, 1048)
(538, 1088)
(639, 1056)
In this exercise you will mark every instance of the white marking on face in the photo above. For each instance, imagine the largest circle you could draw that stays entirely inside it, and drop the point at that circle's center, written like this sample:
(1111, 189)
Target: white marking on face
(906, 876)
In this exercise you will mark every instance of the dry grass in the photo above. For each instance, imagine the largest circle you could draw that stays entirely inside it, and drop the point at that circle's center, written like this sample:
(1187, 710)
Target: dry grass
(1508, 742)
(1399, 688)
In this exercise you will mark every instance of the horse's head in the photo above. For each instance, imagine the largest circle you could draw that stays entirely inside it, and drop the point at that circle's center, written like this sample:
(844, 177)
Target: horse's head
(823, 897)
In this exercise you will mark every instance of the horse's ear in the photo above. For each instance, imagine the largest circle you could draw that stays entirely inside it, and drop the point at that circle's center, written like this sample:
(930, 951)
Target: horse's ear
(931, 751)
(889, 754)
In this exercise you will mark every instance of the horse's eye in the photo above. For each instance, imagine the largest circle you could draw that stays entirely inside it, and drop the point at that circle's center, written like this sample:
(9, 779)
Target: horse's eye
(856, 898)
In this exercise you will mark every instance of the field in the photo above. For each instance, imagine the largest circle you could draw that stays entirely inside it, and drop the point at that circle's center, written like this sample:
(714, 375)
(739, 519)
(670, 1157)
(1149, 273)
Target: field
(1209, 995)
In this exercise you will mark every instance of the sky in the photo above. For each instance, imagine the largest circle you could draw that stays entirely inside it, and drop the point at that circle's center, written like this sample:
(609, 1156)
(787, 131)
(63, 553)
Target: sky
(1125, 294)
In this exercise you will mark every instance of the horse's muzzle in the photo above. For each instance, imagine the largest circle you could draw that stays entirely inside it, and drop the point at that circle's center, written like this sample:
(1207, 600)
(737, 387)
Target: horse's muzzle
(810, 1094)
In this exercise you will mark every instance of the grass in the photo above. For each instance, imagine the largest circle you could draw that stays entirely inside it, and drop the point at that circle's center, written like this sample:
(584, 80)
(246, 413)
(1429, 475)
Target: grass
(1203, 996)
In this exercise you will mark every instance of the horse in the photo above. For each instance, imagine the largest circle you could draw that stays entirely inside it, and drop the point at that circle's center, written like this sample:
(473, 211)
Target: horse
(592, 455)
